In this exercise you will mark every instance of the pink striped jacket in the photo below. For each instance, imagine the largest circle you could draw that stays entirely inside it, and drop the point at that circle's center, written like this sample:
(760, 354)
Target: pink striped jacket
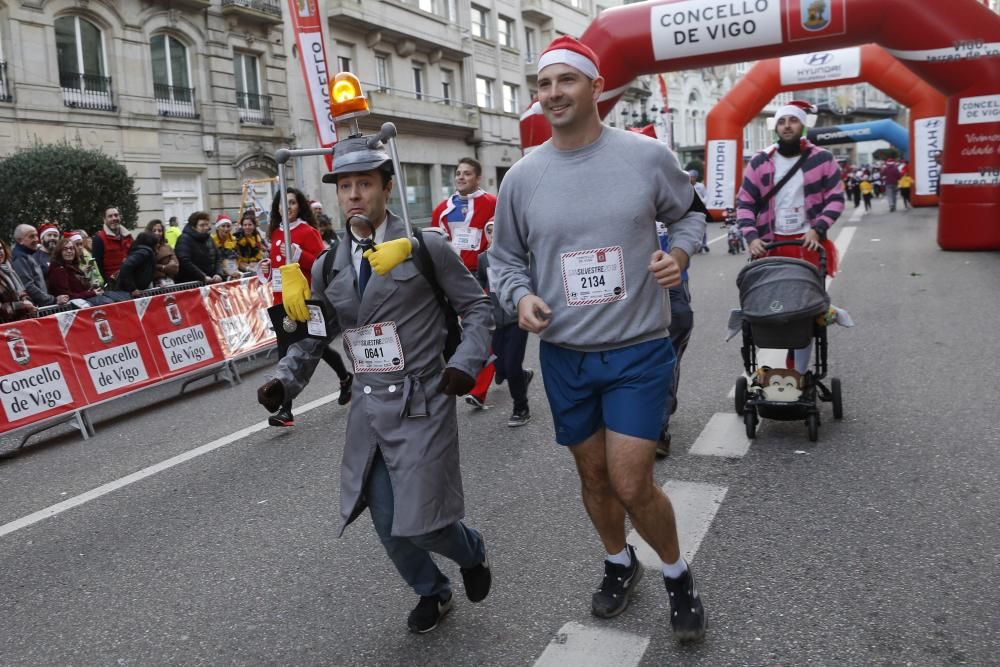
(824, 192)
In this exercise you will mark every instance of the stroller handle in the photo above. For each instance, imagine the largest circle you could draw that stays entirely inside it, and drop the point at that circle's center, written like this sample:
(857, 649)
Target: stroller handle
(800, 243)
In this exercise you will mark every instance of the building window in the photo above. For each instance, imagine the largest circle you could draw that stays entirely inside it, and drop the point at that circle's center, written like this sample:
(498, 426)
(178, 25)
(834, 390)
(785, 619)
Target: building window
(343, 64)
(530, 49)
(182, 194)
(5, 95)
(418, 193)
(484, 92)
(426, 5)
(382, 70)
(447, 181)
(81, 57)
(510, 101)
(447, 85)
(480, 22)
(254, 107)
(171, 77)
(418, 80)
(505, 32)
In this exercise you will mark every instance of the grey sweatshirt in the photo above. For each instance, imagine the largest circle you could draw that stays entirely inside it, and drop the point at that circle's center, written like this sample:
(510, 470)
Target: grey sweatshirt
(608, 194)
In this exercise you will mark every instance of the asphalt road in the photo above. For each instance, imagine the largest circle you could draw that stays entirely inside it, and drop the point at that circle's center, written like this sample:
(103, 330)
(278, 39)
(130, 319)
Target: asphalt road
(876, 545)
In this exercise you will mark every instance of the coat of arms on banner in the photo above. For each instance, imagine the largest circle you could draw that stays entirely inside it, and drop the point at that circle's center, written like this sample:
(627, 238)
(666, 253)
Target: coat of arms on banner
(811, 19)
(816, 15)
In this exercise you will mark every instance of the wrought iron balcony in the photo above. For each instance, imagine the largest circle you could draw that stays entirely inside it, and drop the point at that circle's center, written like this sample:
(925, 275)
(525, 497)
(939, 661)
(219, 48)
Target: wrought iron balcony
(254, 109)
(86, 91)
(264, 11)
(174, 101)
(5, 95)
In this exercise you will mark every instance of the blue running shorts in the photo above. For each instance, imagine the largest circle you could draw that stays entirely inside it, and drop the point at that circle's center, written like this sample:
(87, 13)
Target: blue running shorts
(624, 389)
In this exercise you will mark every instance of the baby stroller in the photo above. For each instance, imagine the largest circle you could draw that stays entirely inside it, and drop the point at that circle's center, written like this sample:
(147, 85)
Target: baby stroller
(735, 240)
(782, 299)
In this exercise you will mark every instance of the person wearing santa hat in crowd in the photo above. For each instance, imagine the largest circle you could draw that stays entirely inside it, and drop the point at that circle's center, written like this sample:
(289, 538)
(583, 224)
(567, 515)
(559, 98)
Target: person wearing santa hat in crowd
(575, 252)
(225, 243)
(307, 246)
(111, 244)
(48, 237)
(792, 190)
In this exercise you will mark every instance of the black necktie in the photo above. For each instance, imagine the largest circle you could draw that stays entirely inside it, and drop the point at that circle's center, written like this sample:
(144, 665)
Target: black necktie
(365, 271)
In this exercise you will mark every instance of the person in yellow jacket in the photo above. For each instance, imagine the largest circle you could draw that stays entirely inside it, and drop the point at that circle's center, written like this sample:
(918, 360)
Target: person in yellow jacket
(867, 189)
(172, 231)
(905, 184)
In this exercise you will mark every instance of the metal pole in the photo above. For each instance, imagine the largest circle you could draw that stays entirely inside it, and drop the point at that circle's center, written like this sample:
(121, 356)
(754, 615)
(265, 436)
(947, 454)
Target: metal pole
(281, 156)
(387, 134)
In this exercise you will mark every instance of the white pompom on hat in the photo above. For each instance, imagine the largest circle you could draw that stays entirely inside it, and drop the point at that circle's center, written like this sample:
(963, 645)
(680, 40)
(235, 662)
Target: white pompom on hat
(570, 51)
(223, 219)
(804, 111)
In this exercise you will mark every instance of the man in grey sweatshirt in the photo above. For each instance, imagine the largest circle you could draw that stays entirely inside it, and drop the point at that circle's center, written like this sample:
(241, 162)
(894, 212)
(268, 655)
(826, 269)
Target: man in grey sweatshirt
(576, 254)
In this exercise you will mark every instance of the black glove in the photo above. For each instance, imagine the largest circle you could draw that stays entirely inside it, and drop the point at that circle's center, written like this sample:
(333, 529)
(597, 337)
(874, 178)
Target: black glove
(271, 395)
(455, 383)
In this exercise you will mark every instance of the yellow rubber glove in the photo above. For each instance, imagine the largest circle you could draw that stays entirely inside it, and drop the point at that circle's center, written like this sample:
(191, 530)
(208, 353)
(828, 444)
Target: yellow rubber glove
(386, 256)
(294, 292)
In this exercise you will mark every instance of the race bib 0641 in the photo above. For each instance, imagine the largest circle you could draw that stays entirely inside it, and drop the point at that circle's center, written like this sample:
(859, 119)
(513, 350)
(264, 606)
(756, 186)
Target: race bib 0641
(592, 277)
(375, 348)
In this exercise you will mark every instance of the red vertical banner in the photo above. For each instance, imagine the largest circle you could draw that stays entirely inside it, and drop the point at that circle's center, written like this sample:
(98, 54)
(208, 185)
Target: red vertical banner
(37, 378)
(307, 26)
(109, 350)
(179, 332)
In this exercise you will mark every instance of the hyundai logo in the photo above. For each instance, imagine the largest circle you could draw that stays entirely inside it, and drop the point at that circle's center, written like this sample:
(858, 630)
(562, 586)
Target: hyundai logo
(818, 59)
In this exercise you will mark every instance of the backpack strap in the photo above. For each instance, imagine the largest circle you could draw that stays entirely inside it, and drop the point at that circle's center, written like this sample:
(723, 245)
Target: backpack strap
(328, 256)
(422, 258)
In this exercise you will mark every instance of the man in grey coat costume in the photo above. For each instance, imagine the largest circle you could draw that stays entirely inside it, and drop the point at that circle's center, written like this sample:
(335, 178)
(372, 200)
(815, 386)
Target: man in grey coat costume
(401, 456)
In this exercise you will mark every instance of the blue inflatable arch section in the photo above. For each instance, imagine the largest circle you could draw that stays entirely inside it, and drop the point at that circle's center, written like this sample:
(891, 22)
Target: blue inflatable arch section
(887, 130)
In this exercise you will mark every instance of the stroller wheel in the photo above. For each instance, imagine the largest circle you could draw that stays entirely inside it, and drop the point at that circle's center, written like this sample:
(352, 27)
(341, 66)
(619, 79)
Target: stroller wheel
(838, 402)
(812, 423)
(740, 401)
(750, 421)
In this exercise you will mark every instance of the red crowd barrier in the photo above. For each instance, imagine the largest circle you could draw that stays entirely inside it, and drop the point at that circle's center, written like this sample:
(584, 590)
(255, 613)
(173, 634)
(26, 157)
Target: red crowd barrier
(63, 363)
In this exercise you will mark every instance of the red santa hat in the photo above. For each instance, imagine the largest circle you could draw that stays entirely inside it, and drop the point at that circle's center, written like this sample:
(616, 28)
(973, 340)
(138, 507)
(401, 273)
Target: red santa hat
(315, 204)
(571, 51)
(73, 237)
(48, 228)
(804, 111)
(223, 219)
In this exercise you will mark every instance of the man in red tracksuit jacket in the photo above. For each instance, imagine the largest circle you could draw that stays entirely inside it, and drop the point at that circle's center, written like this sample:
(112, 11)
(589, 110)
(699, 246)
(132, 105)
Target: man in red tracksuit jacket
(463, 217)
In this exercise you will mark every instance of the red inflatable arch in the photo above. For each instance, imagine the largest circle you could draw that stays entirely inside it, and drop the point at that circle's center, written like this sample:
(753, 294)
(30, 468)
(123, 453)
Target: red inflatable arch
(954, 46)
(725, 123)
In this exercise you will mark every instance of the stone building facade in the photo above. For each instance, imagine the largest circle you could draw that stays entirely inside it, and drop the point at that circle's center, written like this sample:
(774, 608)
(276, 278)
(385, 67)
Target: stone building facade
(188, 94)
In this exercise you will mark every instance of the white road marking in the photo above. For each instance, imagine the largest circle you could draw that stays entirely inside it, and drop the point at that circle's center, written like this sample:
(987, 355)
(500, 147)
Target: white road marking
(695, 505)
(723, 435)
(582, 646)
(140, 475)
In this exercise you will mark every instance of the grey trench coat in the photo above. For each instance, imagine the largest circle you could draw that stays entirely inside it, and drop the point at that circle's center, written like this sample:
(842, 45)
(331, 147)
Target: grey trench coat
(401, 412)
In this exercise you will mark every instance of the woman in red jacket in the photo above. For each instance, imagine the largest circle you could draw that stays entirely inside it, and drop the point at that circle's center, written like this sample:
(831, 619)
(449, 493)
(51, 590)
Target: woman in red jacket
(307, 245)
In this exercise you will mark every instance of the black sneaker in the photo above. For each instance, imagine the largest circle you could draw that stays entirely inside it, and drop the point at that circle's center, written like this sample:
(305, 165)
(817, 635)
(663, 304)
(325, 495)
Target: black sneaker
(345, 390)
(663, 445)
(687, 616)
(478, 580)
(428, 613)
(475, 402)
(282, 418)
(519, 417)
(619, 582)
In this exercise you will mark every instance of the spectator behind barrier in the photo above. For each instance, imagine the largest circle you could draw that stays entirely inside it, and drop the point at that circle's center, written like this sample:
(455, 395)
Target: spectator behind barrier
(250, 245)
(111, 244)
(172, 232)
(136, 273)
(225, 243)
(66, 276)
(167, 265)
(29, 270)
(196, 252)
(14, 301)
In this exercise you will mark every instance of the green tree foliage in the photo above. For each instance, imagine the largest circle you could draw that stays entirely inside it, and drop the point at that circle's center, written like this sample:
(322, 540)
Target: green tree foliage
(63, 184)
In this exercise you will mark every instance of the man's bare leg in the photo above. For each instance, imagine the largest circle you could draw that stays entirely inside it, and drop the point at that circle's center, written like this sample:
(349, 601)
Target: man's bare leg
(606, 512)
(629, 462)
